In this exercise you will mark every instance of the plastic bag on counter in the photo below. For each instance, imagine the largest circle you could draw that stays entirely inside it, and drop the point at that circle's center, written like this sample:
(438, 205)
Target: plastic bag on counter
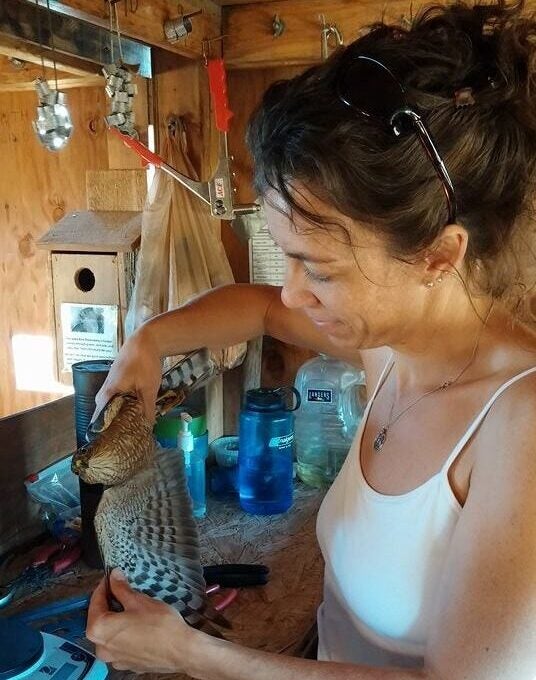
(57, 491)
(181, 252)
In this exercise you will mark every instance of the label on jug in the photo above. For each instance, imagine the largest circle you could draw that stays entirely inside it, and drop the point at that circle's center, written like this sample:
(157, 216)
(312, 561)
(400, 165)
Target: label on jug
(281, 442)
(320, 396)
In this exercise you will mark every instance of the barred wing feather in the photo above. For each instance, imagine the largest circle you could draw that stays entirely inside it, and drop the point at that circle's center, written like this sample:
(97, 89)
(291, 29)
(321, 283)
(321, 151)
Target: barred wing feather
(146, 527)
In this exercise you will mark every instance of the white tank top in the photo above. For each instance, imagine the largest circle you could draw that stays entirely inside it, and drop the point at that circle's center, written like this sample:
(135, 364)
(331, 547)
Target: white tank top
(383, 559)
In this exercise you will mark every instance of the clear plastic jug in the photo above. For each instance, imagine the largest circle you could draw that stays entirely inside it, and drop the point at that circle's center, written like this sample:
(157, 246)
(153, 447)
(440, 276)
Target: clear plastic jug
(333, 397)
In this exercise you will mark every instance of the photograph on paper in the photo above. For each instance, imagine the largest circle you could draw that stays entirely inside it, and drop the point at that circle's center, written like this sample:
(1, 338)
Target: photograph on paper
(89, 332)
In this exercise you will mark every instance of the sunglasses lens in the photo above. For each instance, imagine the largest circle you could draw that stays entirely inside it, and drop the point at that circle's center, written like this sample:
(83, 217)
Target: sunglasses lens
(368, 86)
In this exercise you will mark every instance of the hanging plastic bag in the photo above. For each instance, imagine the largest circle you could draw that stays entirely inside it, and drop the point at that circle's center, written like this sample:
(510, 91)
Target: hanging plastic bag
(181, 252)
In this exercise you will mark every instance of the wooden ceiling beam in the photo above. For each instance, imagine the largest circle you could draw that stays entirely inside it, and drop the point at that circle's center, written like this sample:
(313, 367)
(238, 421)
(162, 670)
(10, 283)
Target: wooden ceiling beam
(252, 44)
(64, 36)
(27, 52)
(63, 84)
(146, 23)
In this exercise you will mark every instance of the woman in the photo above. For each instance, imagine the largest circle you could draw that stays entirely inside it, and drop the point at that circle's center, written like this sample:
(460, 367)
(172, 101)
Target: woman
(404, 238)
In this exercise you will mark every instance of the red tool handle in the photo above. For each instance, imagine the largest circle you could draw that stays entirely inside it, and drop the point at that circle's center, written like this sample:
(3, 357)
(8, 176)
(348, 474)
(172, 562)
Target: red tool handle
(44, 553)
(218, 90)
(139, 148)
(66, 559)
(224, 601)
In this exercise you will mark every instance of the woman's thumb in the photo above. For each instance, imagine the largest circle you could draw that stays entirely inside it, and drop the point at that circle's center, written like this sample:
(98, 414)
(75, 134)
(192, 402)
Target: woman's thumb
(121, 589)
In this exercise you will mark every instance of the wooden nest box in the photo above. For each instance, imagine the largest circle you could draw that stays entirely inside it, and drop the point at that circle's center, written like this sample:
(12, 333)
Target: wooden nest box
(92, 258)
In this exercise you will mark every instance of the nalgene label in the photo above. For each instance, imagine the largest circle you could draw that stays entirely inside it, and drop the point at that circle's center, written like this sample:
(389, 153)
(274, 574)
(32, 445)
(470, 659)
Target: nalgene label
(219, 186)
(282, 442)
(321, 396)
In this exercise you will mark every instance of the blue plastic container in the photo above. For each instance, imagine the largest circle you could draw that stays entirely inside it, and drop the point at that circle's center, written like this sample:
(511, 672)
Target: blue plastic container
(266, 449)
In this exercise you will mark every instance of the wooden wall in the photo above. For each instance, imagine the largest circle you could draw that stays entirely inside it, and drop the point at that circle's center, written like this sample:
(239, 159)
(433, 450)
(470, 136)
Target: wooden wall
(246, 87)
(29, 441)
(37, 187)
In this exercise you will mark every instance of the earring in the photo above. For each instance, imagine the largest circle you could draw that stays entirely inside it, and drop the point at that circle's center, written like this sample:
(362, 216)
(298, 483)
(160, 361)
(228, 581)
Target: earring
(429, 284)
(439, 279)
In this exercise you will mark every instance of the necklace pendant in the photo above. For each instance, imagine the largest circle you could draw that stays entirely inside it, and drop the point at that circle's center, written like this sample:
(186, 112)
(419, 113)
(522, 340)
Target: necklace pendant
(380, 439)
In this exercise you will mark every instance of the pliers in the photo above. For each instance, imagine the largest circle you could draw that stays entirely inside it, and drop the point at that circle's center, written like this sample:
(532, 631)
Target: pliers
(51, 559)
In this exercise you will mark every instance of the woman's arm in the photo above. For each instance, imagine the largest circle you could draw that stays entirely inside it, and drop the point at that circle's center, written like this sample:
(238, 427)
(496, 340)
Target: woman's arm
(222, 660)
(149, 636)
(230, 314)
(485, 621)
(217, 319)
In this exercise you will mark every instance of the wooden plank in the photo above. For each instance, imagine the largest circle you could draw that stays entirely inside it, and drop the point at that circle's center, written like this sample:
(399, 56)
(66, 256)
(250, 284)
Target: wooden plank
(147, 22)
(94, 232)
(37, 188)
(178, 85)
(29, 441)
(181, 89)
(112, 190)
(214, 397)
(245, 91)
(251, 42)
(228, 3)
(225, 3)
(63, 84)
(122, 286)
(279, 361)
(16, 71)
(71, 36)
(11, 46)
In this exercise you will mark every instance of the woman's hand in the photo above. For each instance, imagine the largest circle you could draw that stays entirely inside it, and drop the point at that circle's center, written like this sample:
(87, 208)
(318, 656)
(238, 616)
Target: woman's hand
(137, 368)
(148, 636)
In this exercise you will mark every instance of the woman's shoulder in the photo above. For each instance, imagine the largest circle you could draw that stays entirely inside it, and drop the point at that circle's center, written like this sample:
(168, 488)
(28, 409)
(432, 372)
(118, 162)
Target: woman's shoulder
(507, 440)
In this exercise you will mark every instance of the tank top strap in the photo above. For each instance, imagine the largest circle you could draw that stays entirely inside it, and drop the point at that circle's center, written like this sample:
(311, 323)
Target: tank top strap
(383, 377)
(480, 417)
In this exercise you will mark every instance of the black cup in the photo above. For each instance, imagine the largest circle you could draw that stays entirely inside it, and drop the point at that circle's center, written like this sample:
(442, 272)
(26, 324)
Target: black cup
(88, 377)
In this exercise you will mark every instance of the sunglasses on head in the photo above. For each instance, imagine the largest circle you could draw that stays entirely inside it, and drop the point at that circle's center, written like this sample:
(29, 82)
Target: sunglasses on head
(370, 88)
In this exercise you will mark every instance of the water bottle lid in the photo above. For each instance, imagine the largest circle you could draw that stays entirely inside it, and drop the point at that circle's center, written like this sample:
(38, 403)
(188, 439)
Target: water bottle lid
(271, 399)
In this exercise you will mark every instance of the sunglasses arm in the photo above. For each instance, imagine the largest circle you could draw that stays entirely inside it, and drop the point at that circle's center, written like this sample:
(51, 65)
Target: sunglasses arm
(429, 146)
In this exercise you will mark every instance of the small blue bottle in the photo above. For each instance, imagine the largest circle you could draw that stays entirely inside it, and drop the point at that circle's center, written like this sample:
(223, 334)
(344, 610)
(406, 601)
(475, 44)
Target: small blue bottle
(266, 448)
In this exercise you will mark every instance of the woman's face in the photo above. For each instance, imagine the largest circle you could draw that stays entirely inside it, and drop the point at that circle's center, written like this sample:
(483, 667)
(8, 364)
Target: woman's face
(357, 294)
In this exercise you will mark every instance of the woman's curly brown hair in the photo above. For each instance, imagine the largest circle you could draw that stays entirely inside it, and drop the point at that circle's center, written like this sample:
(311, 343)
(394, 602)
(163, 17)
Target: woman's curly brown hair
(302, 132)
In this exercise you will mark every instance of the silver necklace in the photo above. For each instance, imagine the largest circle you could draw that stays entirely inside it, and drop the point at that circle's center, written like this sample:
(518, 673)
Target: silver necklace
(381, 437)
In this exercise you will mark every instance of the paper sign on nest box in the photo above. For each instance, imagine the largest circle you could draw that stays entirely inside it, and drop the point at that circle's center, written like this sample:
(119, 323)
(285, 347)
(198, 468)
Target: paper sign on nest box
(89, 332)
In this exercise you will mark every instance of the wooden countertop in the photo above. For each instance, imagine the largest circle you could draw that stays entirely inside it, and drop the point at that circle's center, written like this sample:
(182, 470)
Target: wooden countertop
(275, 617)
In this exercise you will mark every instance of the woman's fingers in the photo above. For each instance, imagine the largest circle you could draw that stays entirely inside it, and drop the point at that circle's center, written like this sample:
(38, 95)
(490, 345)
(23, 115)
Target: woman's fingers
(147, 395)
(98, 608)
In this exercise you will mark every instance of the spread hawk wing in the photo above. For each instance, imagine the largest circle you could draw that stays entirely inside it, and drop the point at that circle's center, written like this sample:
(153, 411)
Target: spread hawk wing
(146, 527)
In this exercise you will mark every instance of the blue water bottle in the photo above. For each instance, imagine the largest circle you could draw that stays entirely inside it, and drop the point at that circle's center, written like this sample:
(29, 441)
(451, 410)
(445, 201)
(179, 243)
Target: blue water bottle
(265, 452)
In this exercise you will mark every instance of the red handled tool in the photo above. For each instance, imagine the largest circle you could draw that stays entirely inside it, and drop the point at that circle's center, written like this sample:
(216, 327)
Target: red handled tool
(51, 559)
(218, 191)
